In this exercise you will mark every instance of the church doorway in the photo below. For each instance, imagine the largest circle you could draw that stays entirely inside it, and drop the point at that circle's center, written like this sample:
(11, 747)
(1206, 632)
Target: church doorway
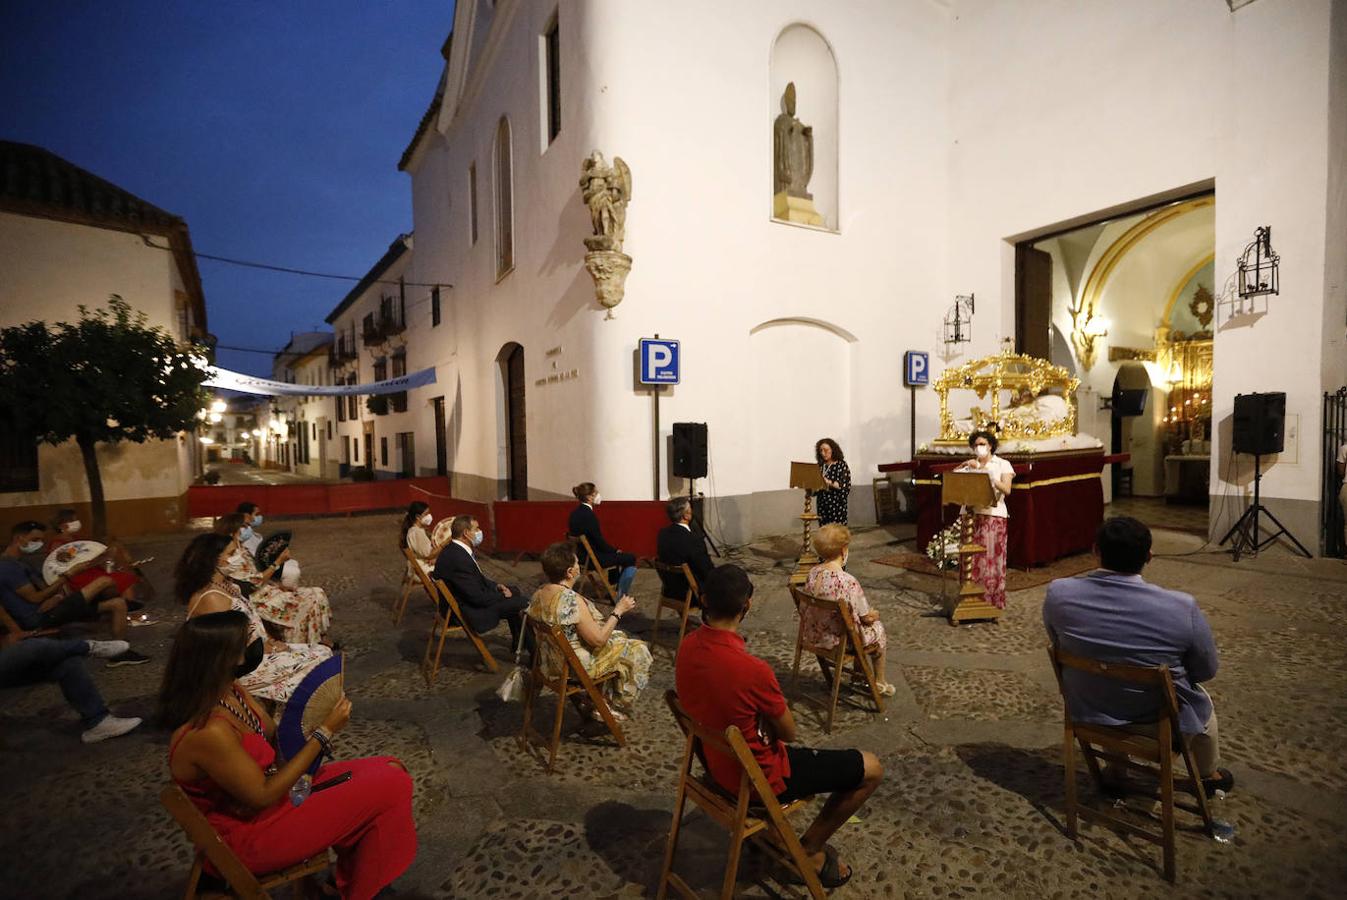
(1126, 303)
(513, 418)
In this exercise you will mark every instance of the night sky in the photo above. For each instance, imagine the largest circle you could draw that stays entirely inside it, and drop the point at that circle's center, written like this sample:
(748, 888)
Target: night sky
(274, 129)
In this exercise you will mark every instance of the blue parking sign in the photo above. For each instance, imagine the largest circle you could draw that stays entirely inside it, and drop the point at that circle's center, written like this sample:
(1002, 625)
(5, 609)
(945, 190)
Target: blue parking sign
(916, 368)
(659, 361)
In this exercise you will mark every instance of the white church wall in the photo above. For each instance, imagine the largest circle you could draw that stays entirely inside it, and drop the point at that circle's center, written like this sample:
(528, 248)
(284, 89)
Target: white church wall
(1123, 110)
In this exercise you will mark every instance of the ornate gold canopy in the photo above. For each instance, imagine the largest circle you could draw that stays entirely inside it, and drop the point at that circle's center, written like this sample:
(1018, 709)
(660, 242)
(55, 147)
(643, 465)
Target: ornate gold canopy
(1015, 372)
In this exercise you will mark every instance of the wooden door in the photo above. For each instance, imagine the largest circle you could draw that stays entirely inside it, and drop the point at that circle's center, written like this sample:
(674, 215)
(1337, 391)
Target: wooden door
(441, 439)
(369, 446)
(516, 433)
(1033, 301)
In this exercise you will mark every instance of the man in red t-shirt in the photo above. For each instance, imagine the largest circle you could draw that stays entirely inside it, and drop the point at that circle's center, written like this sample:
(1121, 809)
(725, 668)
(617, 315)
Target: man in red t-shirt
(721, 684)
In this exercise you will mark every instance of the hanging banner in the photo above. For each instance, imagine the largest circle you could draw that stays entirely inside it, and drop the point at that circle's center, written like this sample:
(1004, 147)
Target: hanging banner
(249, 384)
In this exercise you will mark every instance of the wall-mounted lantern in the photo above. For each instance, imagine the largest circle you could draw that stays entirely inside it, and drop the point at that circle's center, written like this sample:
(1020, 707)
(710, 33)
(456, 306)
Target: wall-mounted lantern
(959, 320)
(1258, 266)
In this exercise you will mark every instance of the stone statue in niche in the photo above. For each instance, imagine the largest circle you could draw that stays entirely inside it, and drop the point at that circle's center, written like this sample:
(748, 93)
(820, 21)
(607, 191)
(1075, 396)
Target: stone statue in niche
(606, 190)
(792, 165)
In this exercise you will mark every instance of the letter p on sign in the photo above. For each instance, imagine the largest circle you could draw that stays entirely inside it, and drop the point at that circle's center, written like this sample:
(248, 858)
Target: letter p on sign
(916, 368)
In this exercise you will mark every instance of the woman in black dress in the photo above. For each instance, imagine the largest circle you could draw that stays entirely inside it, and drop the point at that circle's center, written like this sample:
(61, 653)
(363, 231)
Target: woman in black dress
(583, 521)
(832, 500)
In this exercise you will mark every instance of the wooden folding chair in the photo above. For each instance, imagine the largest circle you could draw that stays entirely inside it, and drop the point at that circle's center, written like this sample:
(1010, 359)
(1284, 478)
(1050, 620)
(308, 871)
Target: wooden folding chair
(209, 846)
(409, 582)
(670, 598)
(568, 680)
(596, 573)
(753, 813)
(1122, 747)
(849, 651)
(450, 619)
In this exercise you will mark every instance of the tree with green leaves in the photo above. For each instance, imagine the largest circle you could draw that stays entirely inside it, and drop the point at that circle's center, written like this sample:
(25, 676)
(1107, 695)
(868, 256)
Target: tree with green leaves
(105, 379)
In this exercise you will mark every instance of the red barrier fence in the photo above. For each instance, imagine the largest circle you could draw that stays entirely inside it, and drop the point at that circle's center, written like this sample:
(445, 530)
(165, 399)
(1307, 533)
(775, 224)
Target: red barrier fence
(512, 526)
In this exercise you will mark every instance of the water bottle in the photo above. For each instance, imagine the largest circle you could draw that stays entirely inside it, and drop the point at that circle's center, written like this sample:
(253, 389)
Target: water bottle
(300, 790)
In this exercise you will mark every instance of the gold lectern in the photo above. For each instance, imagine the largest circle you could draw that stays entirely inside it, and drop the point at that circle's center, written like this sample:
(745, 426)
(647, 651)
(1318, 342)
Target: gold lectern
(809, 476)
(969, 490)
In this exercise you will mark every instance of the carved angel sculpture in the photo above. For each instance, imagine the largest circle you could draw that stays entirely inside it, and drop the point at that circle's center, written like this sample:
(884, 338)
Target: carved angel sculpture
(606, 190)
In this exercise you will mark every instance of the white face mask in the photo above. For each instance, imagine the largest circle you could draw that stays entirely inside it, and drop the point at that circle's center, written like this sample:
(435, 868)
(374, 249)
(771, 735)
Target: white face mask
(72, 527)
(477, 537)
(598, 498)
(31, 547)
(983, 451)
(257, 519)
(427, 519)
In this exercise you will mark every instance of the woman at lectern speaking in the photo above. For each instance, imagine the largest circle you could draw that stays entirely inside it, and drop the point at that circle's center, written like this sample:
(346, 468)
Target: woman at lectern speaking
(832, 500)
(989, 522)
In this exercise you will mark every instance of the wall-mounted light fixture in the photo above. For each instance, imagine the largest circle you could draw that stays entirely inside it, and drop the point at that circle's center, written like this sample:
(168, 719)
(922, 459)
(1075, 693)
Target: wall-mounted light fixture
(1258, 266)
(959, 320)
(1086, 329)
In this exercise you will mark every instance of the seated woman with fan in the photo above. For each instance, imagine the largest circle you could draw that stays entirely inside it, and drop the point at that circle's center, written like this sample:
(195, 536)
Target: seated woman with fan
(116, 563)
(222, 754)
(417, 538)
(205, 588)
(303, 614)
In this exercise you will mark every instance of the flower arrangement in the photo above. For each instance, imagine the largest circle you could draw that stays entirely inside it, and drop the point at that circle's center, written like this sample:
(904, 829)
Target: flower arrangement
(943, 550)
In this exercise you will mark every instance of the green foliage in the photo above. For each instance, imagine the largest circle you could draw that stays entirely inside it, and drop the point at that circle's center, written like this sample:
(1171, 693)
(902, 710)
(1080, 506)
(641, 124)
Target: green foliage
(105, 379)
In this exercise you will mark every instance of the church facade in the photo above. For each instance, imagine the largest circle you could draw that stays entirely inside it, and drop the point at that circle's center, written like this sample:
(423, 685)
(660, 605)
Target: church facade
(938, 138)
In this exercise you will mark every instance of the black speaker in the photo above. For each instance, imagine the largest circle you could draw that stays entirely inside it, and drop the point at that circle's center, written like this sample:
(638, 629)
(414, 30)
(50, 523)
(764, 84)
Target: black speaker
(1260, 421)
(689, 449)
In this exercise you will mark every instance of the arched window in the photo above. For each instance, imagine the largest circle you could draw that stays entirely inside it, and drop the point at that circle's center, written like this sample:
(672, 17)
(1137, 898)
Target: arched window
(504, 200)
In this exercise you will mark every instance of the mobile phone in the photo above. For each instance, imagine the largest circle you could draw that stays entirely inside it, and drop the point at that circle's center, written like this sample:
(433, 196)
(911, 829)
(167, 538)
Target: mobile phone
(324, 785)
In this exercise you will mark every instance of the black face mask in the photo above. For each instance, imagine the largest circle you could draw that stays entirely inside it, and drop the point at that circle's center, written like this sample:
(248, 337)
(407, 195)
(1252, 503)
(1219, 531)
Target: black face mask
(252, 658)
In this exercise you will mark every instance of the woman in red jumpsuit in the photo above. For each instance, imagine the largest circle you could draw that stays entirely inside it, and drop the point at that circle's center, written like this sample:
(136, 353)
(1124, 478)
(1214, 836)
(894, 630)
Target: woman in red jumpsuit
(221, 755)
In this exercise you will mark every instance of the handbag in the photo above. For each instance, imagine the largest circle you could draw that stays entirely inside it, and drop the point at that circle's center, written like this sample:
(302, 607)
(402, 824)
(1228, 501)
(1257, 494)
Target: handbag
(513, 687)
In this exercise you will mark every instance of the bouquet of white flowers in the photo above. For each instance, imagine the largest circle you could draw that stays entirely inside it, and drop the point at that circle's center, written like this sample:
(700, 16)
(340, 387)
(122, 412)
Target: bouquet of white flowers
(943, 550)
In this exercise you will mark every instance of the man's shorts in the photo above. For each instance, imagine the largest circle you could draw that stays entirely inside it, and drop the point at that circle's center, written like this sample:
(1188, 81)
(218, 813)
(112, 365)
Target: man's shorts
(822, 772)
(72, 608)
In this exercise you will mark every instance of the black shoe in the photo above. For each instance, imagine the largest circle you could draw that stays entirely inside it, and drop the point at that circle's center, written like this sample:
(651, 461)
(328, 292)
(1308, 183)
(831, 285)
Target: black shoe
(1224, 782)
(129, 658)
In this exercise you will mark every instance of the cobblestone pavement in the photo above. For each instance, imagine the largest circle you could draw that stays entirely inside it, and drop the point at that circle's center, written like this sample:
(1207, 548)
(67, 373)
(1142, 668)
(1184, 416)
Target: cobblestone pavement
(971, 804)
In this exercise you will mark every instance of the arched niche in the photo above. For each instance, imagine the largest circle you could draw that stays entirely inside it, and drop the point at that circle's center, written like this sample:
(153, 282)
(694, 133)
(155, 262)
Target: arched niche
(802, 56)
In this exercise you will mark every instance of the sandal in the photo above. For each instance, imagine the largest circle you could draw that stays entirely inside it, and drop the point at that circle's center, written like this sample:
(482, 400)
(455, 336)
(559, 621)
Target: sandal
(885, 689)
(830, 875)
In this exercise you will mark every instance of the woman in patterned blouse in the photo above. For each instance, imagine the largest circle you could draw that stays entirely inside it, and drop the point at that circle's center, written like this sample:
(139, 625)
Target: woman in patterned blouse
(832, 500)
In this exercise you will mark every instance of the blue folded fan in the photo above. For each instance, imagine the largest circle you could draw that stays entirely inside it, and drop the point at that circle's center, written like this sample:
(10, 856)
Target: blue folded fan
(308, 706)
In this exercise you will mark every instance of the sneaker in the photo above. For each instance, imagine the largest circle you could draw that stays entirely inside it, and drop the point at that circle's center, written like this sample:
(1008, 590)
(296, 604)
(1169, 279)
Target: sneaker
(110, 727)
(128, 658)
(1224, 782)
(107, 649)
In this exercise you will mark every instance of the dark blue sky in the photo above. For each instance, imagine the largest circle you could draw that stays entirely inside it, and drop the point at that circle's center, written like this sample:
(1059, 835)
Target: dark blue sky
(273, 128)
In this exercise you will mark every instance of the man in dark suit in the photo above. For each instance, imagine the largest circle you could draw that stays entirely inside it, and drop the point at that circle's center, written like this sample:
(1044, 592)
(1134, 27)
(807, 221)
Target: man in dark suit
(484, 602)
(677, 545)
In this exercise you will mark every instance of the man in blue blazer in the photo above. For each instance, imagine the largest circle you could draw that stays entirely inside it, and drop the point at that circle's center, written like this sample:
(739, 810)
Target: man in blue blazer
(484, 602)
(1112, 614)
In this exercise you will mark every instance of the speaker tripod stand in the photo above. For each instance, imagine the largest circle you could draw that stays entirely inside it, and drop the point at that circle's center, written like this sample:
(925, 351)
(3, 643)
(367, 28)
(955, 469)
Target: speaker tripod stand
(1245, 529)
(698, 525)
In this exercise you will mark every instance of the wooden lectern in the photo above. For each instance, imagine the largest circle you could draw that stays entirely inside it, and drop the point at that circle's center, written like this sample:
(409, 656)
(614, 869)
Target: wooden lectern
(969, 490)
(809, 476)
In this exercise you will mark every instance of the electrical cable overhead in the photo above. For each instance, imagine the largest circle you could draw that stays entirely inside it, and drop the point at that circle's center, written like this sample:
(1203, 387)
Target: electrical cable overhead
(289, 270)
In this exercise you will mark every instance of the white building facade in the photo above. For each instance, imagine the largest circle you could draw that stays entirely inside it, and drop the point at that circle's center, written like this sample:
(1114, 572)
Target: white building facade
(69, 238)
(940, 145)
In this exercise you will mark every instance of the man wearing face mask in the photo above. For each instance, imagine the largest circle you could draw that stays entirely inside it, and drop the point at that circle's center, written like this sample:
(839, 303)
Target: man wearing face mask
(991, 523)
(252, 520)
(484, 602)
(116, 563)
(34, 606)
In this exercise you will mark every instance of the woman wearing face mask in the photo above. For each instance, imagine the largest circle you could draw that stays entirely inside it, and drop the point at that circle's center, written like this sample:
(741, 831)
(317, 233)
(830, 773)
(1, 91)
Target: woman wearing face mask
(303, 614)
(599, 646)
(416, 536)
(115, 563)
(830, 581)
(275, 668)
(989, 523)
(221, 755)
(583, 521)
(832, 500)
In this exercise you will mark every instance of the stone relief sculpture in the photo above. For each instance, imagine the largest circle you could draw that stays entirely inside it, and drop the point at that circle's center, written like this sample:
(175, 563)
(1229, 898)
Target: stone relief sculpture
(792, 165)
(606, 190)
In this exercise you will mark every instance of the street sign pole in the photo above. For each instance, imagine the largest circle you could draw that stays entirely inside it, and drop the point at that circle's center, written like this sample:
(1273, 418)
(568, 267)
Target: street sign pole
(658, 365)
(912, 430)
(656, 475)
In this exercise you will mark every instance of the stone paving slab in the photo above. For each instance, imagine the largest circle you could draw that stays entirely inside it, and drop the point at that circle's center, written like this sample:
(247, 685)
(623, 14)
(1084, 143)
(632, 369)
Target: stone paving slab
(971, 805)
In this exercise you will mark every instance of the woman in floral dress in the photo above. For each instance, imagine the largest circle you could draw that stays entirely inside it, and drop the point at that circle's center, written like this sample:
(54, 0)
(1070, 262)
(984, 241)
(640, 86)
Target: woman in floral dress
(303, 614)
(829, 581)
(203, 586)
(600, 647)
(990, 524)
